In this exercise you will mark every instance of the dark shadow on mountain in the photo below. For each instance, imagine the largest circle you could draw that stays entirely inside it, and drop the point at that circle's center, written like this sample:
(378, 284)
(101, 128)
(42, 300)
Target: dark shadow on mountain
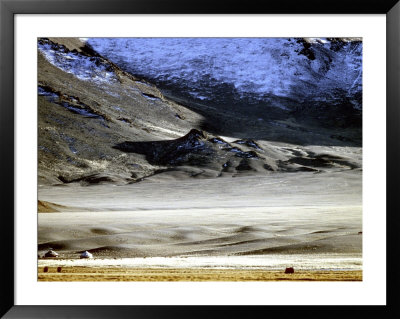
(330, 122)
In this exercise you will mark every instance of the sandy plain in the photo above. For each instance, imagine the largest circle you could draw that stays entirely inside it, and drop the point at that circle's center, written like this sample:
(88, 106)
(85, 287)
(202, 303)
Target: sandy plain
(247, 228)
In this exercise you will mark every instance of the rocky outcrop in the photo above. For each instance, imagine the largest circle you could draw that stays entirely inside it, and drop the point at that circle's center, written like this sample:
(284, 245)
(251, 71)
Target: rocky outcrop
(193, 149)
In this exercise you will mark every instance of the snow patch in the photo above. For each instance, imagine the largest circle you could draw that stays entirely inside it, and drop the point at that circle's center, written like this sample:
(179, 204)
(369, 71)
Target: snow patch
(256, 68)
(83, 67)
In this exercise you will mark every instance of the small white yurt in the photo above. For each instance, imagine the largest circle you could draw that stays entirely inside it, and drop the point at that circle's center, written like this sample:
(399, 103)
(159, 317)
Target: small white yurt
(51, 253)
(86, 254)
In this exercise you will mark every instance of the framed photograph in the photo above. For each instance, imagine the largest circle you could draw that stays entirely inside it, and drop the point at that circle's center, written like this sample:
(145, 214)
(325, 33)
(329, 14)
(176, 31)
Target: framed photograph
(190, 154)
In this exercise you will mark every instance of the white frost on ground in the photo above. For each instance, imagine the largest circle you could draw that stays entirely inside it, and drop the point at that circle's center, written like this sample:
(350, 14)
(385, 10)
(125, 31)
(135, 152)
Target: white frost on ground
(268, 262)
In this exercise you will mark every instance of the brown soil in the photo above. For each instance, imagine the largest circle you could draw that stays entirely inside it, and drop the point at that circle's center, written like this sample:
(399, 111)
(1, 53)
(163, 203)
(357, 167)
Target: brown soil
(192, 274)
(47, 207)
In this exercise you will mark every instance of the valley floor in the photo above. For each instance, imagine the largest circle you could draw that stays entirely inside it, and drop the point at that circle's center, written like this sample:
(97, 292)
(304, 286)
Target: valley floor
(222, 226)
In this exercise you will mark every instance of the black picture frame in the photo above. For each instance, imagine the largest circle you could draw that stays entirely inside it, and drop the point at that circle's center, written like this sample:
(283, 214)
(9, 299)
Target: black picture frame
(9, 8)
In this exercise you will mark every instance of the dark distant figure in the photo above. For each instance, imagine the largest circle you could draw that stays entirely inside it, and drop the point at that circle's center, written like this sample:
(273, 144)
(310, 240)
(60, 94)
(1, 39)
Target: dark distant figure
(46, 269)
(289, 270)
(58, 269)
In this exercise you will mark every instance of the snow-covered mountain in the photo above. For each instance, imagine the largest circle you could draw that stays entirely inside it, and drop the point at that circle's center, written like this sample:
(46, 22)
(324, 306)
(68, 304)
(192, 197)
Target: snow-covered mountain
(282, 72)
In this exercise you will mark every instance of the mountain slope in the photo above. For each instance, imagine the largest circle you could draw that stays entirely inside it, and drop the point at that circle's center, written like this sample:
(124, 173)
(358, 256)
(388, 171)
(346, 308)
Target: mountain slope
(100, 124)
(315, 82)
